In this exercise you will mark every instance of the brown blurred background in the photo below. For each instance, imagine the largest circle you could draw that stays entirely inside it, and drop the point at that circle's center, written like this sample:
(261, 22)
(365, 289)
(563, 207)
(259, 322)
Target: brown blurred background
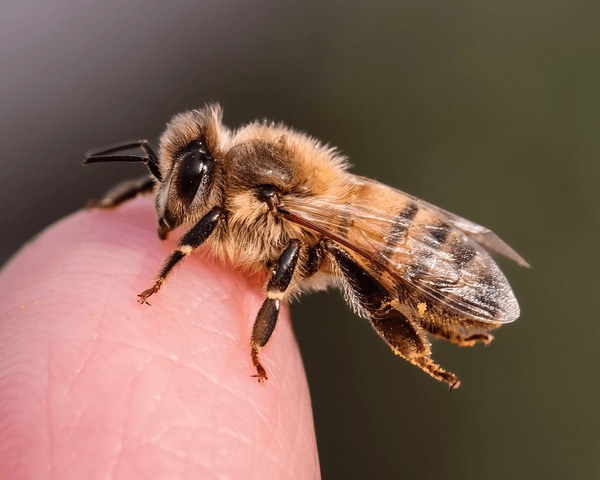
(489, 109)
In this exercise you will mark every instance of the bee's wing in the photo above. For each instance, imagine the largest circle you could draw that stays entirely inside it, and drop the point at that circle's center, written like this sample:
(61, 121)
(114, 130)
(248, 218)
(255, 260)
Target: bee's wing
(482, 235)
(428, 254)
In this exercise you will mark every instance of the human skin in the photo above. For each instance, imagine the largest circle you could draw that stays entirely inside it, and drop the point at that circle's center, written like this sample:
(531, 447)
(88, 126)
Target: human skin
(94, 385)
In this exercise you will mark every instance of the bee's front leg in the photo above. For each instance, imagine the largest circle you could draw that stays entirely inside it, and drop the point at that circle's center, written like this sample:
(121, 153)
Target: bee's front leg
(123, 192)
(190, 241)
(265, 322)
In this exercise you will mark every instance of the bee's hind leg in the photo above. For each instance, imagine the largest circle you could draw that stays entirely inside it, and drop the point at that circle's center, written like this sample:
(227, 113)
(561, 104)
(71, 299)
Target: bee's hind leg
(405, 338)
(265, 322)
(464, 333)
(123, 192)
(409, 342)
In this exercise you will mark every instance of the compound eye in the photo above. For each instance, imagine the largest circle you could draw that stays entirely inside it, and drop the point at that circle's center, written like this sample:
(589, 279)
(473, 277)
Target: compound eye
(194, 166)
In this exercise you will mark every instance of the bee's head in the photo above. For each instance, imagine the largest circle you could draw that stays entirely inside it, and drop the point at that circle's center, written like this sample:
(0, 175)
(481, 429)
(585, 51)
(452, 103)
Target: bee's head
(190, 167)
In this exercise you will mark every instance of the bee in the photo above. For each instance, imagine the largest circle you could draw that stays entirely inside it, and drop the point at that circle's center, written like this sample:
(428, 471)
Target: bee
(269, 198)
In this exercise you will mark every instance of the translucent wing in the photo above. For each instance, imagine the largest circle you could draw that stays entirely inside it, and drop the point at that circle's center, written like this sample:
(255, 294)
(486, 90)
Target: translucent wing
(423, 248)
(482, 235)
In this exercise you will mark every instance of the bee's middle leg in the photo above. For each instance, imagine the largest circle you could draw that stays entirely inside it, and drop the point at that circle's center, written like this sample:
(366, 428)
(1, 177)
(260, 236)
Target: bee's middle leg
(278, 283)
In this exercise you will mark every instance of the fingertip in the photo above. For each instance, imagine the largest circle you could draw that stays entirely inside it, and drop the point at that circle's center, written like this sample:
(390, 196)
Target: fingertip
(178, 370)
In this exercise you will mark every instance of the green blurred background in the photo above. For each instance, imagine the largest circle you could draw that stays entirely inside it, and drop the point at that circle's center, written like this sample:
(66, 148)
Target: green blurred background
(488, 109)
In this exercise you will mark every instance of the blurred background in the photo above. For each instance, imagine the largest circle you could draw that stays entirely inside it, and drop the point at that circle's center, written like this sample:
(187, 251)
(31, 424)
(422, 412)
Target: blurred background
(488, 109)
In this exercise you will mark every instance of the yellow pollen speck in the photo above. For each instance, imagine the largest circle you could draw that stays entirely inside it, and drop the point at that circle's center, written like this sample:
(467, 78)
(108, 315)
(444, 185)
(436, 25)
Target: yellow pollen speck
(22, 307)
(275, 295)
(422, 308)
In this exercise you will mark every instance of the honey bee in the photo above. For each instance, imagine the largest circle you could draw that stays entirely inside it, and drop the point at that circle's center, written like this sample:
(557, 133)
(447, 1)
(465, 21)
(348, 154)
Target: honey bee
(269, 198)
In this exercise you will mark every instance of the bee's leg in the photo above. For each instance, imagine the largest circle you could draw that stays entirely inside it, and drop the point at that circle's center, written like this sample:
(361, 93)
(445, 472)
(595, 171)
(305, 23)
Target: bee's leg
(123, 192)
(190, 241)
(316, 255)
(463, 335)
(265, 322)
(408, 341)
(405, 338)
